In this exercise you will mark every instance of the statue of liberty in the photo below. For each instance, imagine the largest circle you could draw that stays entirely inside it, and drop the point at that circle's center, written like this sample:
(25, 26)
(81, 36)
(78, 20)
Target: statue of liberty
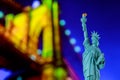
(93, 58)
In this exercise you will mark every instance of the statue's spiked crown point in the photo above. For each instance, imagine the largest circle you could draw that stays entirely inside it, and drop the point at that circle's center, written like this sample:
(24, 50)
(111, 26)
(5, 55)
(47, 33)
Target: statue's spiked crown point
(95, 34)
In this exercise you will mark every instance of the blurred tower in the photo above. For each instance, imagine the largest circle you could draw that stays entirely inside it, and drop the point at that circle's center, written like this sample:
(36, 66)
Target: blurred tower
(42, 20)
(57, 68)
(61, 72)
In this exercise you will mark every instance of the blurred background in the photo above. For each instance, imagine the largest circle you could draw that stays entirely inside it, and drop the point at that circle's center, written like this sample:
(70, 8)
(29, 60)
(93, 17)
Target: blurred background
(43, 39)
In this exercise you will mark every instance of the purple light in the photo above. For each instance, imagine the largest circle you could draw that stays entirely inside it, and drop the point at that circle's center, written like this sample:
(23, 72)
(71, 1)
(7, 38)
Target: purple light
(4, 74)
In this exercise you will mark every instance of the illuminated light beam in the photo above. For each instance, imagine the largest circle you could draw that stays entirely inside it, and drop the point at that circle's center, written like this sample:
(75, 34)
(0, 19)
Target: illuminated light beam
(73, 75)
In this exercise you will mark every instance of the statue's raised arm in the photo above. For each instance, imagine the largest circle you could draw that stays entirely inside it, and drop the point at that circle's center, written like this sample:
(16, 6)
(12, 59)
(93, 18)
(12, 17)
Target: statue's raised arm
(84, 20)
(86, 42)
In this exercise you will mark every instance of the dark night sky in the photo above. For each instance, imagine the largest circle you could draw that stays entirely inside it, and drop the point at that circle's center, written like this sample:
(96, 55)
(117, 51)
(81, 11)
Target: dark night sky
(103, 17)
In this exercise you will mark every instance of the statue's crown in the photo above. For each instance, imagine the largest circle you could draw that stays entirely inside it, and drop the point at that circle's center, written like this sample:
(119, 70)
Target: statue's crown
(95, 34)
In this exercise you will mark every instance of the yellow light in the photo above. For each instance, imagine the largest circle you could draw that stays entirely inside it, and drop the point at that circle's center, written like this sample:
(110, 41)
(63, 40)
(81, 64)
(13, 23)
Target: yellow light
(41, 21)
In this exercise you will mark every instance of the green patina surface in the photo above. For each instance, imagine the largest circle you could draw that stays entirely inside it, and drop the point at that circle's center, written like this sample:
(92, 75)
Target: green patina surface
(93, 58)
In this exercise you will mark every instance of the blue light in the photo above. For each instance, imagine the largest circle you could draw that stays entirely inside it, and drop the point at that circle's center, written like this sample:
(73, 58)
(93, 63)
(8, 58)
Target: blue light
(4, 74)
(62, 22)
(72, 41)
(39, 52)
(67, 32)
(33, 57)
(77, 49)
(35, 4)
(1, 14)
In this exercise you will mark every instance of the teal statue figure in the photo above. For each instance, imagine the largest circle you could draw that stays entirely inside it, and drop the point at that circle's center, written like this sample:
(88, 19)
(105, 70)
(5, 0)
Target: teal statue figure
(93, 59)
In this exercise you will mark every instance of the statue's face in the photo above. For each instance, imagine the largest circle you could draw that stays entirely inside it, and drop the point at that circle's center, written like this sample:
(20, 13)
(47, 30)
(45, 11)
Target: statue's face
(95, 41)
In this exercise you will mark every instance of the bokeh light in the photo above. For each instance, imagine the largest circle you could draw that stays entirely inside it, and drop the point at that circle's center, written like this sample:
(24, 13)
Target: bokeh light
(39, 51)
(33, 57)
(62, 22)
(77, 49)
(72, 41)
(1, 14)
(35, 4)
(19, 78)
(67, 32)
